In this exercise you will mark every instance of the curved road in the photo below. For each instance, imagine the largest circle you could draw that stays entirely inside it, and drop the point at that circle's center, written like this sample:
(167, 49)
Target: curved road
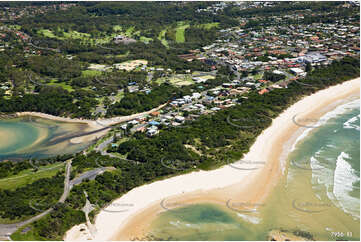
(7, 229)
(42, 48)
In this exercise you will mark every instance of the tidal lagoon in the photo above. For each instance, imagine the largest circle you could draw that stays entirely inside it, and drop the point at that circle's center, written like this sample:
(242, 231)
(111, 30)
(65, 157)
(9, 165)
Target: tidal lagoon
(33, 137)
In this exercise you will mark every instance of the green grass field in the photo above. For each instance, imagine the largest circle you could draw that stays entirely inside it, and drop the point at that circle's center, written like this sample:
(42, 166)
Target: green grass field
(179, 37)
(129, 31)
(48, 33)
(162, 38)
(29, 176)
(90, 73)
(145, 39)
(85, 37)
(103, 40)
(117, 28)
(208, 25)
(14, 26)
(66, 35)
(61, 84)
(76, 35)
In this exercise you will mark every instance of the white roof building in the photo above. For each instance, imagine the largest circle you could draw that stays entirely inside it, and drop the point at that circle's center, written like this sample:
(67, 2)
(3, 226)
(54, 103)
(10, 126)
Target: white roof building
(296, 70)
(196, 95)
(278, 72)
(134, 122)
(179, 119)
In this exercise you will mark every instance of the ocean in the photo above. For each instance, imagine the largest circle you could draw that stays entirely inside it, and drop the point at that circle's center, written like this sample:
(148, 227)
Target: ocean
(318, 194)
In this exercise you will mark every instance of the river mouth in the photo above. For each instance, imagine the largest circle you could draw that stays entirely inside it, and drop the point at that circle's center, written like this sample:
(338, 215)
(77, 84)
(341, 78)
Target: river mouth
(33, 137)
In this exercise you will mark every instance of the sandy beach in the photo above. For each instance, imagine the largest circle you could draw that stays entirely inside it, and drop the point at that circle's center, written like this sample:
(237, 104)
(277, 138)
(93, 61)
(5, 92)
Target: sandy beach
(56, 118)
(221, 185)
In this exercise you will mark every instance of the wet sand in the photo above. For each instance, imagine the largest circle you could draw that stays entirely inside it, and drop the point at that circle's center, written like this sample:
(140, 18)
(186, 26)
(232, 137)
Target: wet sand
(42, 135)
(6, 135)
(93, 125)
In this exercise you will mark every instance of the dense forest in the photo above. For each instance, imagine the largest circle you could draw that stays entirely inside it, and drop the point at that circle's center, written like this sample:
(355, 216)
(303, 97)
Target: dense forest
(216, 139)
(19, 203)
(50, 100)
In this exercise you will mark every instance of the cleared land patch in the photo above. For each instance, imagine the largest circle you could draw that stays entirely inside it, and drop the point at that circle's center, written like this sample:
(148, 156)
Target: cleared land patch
(130, 65)
(177, 80)
(98, 67)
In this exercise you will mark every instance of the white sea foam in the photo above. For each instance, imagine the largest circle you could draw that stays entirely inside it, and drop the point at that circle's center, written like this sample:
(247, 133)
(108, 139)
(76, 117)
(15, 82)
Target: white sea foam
(332, 114)
(249, 218)
(344, 178)
(175, 223)
(315, 164)
(321, 175)
(352, 123)
(331, 146)
(328, 229)
(338, 183)
(336, 177)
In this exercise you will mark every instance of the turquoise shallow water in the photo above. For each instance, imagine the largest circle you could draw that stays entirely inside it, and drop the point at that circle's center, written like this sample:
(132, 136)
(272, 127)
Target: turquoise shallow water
(27, 137)
(319, 192)
(204, 222)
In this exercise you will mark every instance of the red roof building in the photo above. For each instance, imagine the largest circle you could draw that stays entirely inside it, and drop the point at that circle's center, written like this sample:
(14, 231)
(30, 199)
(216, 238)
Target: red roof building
(263, 91)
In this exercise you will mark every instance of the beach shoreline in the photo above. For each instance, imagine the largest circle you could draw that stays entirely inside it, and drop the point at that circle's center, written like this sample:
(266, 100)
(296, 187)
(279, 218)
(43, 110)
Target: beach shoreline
(98, 124)
(55, 118)
(246, 186)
